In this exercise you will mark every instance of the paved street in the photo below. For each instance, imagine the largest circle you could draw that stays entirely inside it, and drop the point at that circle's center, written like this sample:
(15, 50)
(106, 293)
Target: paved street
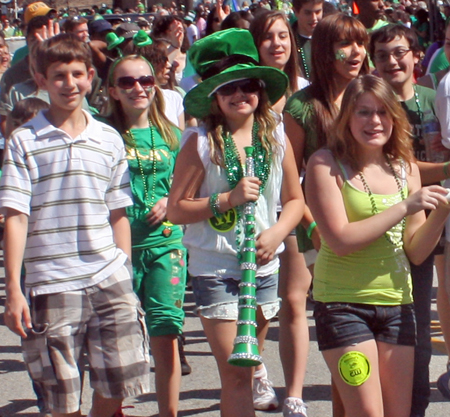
(200, 390)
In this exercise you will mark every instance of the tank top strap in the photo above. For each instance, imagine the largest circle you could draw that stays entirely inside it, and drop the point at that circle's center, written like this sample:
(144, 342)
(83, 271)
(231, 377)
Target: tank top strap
(344, 172)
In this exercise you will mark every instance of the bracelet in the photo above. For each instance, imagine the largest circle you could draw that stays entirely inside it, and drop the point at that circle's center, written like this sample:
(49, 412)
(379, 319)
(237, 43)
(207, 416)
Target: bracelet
(214, 204)
(310, 229)
(446, 173)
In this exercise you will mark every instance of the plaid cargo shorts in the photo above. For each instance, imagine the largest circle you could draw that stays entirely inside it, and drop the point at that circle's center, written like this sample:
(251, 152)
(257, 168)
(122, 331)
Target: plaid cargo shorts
(105, 321)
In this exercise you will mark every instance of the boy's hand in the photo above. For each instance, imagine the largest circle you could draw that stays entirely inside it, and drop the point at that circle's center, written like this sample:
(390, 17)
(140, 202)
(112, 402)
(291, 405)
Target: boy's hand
(16, 313)
(52, 29)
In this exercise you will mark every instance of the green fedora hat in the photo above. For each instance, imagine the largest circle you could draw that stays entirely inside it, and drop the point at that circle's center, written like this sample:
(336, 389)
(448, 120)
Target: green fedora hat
(227, 56)
(113, 41)
(141, 39)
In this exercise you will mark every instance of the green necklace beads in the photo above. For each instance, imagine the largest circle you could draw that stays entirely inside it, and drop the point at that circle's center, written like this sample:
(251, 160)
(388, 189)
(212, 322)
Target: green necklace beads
(234, 172)
(149, 197)
(375, 211)
(233, 163)
(301, 51)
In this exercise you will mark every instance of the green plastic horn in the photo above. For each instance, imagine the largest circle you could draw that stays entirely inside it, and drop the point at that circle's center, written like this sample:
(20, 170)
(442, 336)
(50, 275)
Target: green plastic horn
(245, 351)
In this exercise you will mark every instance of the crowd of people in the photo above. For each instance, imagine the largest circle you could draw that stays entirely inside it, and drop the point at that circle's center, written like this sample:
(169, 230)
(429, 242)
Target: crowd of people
(126, 174)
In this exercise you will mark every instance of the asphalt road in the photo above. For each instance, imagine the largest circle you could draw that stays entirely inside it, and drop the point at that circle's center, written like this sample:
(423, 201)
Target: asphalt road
(200, 390)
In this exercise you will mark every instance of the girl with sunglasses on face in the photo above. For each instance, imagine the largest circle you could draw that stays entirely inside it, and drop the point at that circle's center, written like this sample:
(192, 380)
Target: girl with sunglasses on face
(152, 146)
(209, 191)
(366, 195)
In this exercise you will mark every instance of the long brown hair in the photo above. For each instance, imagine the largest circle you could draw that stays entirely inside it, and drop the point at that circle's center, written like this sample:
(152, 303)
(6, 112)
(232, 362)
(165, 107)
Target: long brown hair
(342, 142)
(259, 27)
(216, 126)
(329, 30)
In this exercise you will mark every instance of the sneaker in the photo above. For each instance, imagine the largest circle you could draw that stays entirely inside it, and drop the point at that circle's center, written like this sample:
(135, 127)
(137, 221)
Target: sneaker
(443, 384)
(294, 407)
(185, 367)
(264, 397)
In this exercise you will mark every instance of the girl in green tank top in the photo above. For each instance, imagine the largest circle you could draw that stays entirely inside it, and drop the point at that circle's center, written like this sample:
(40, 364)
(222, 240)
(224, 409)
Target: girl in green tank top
(365, 193)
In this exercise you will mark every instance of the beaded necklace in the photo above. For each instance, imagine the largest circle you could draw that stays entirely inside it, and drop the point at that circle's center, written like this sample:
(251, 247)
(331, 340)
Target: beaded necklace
(234, 171)
(233, 163)
(301, 51)
(374, 206)
(149, 203)
(419, 107)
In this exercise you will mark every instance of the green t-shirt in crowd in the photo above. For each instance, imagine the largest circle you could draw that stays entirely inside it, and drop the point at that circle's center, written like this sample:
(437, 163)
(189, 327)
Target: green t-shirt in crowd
(416, 116)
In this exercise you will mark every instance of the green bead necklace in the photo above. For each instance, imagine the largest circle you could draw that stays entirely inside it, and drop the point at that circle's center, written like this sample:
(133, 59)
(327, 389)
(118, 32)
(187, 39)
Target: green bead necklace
(234, 171)
(374, 206)
(148, 202)
(301, 51)
(233, 163)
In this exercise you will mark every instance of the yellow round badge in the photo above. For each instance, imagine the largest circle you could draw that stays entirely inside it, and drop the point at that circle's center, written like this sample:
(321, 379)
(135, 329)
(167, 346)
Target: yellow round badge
(225, 222)
(354, 368)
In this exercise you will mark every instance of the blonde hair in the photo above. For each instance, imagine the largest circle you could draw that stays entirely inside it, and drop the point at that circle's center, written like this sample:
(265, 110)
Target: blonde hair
(216, 127)
(156, 111)
(342, 142)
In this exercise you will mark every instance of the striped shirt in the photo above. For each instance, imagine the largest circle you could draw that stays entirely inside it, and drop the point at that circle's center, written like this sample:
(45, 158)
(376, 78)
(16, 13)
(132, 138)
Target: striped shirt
(67, 187)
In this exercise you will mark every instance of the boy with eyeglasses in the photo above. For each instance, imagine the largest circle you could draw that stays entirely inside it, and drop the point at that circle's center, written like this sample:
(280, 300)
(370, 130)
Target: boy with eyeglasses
(394, 49)
(64, 190)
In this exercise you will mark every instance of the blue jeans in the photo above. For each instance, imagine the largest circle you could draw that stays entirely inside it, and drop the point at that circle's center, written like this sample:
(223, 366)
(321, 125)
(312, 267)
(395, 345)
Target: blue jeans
(422, 278)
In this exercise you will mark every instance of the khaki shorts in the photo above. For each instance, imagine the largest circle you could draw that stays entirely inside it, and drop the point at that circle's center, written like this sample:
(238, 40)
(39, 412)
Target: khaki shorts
(105, 321)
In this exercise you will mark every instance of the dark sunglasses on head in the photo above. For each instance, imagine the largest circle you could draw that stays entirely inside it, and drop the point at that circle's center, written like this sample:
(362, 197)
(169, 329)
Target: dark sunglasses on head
(247, 86)
(127, 83)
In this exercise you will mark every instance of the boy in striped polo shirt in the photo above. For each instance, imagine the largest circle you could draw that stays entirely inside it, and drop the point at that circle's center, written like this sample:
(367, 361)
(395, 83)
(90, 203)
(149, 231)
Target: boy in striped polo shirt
(64, 190)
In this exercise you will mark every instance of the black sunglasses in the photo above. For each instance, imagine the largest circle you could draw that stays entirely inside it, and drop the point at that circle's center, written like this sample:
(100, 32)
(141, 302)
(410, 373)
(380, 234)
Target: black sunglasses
(127, 83)
(247, 86)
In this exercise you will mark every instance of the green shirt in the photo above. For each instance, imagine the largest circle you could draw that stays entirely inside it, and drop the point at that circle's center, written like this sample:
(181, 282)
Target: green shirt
(157, 184)
(300, 107)
(426, 98)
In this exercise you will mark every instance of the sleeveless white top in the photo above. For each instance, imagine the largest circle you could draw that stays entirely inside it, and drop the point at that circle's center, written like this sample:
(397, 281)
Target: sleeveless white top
(214, 253)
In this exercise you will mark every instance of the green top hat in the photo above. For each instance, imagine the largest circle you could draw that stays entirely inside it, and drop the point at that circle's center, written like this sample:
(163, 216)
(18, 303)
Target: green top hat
(224, 57)
(113, 41)
(141, 39)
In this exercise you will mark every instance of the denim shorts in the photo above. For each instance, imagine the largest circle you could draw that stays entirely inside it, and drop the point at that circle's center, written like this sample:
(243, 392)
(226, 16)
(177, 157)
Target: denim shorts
(347, 324)
(217, 298)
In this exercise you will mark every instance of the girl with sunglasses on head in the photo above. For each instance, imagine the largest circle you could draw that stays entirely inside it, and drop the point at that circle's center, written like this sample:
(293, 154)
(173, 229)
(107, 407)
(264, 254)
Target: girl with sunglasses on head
(209, 191)
(152, 145)
(365, 193)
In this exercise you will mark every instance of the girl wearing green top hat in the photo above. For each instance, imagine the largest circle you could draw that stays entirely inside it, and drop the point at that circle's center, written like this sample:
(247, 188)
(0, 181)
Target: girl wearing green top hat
(209, 189)
(152, 145)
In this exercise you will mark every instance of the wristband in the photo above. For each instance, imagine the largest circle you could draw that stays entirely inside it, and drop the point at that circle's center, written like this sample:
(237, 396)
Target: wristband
(310, 229)
(446, 173)
(214, 204)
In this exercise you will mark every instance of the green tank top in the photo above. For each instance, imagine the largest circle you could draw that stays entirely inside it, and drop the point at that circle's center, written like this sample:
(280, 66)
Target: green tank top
(378, 274)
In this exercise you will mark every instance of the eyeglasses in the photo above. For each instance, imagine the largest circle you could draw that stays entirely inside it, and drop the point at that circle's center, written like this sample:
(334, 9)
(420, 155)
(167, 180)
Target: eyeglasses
(383, 56)
(364, 113)
(127, 83)
(247, 86)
